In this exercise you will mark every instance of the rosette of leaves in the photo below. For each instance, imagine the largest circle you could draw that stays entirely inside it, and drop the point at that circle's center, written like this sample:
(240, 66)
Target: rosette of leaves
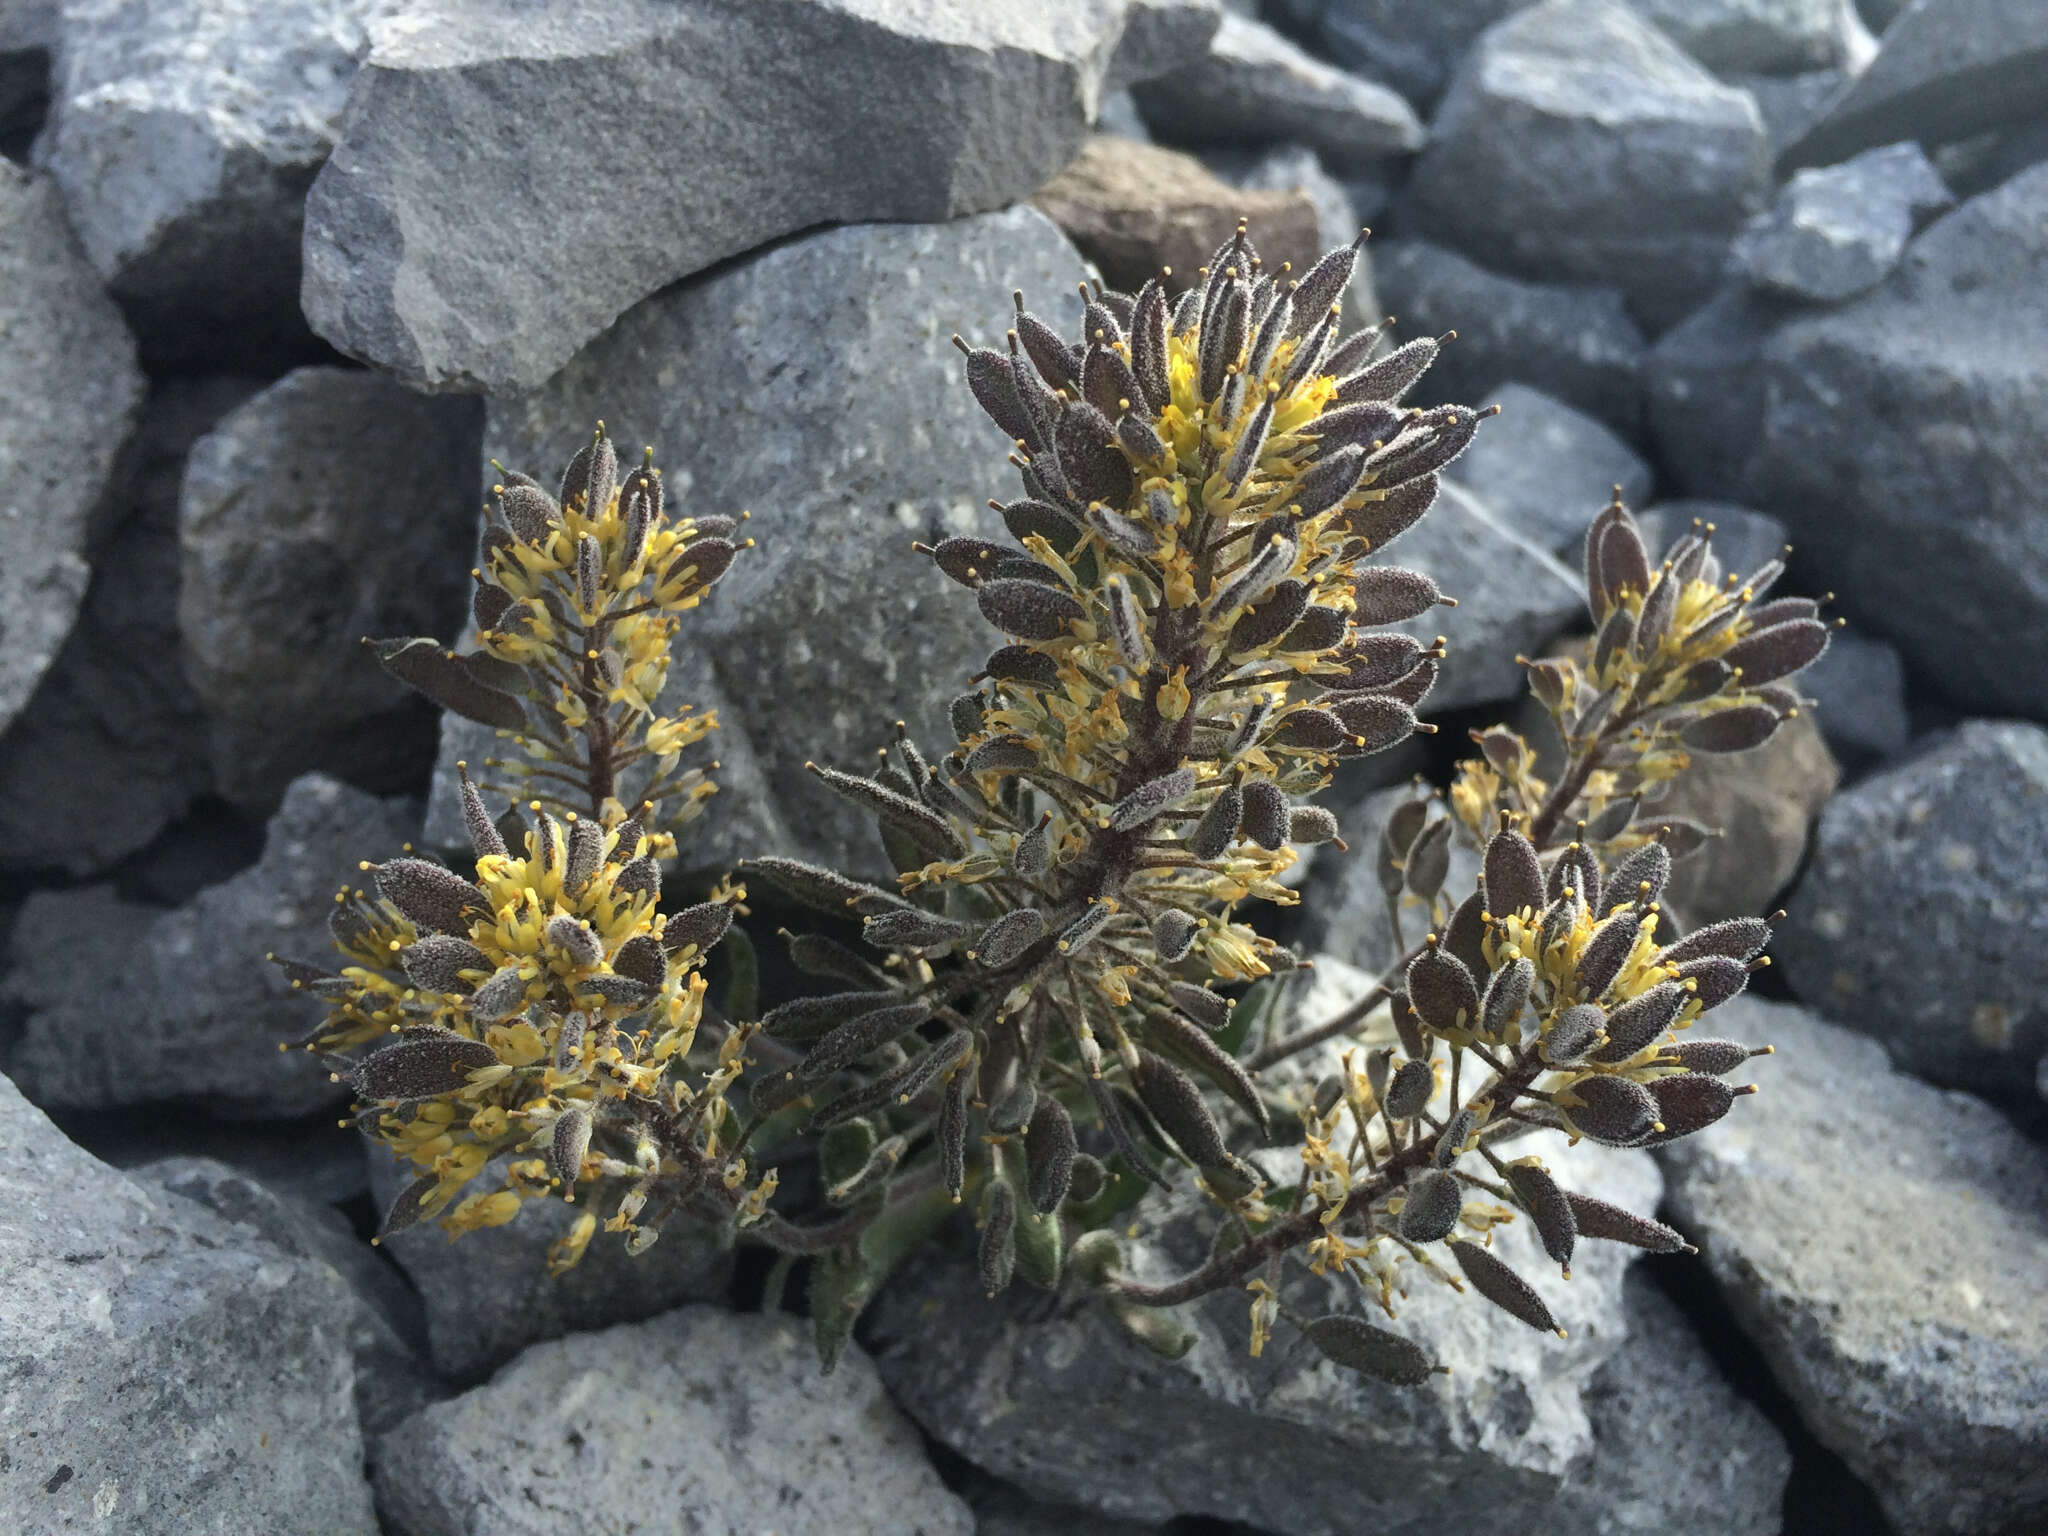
(1192, 638)
(538, 1006)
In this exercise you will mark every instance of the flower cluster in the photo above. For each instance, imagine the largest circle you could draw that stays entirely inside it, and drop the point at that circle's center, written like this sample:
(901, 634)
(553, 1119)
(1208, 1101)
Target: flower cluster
(534, 1015)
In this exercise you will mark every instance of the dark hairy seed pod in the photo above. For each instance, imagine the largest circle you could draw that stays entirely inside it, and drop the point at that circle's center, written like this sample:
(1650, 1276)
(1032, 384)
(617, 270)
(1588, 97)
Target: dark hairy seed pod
(1615, 558)
(1328, 1095)
(1327, 481)
(1431, 1212)
(424, 1064)
(1047, 351)
(1013, 1111)
(1407, 1027)
(1312, 729)
(589, 571)
(1393, 375)
(1265, 814)
(1740, 938)
(701, 926)
(1049, 1151)
(966, 561)
(1575, 869)
(568, 1144)
(1409, 1090)
(640, 959)
(1173, 934)
(1682, 836)
(846, 1043)
(435, 963)
(700, 563)
(1058, 527)
(1702, 680)
(620, 991)
(1765, 655)
(1551, 1210)
(1429, 446)
(1370, 660)
(450, 681)
(1502, 1286)
(410, 1206)
(1308, 357)
(569, 1041)
(432, 895)
(1174, 1100)
(1372, 722)
(638, 877)
(1513, 874)
(1271, 560)
(1367, 425)
(1370, 1351)
(1572, 1038)
(1689, 1102)
(1116, 1116)
(1507, 994)
(1224, 334)
(1082, 931)
(1006, 939)
(1273, 317)
(1617, 634)
(1126, 535)
(1150, 800)
(1648, 866)
(1653, 623)
(1605, 953)
(1126, 625)
(1001, 754)
(899, 1085)
(1610, 1223)
(575, 939)
(1324, 283)
(1397, 836)
(1388, 594)
(1021, 664)
(953, 1130)
(1244, 453)
(1188, 1044)
(806, 1018)
(997, 1251)
(1263, 623)
(1399, 508)
(1429, 859)
(1107, 382)
(1456, 1132)
(1442, 992)
(1206, 1008)
(925, 827)
(912, 929)
(1635, 1025)
(1464, 935)
(1311, 825)
(995, 389)
(1217, 829)
(1739, 729)
(1029, 609)
(1714, 978)
(1148, 345)
(1318, 629)
(484, 838)
(1712, 1056)
(1033, 853)
(1095, 468)
(1248, 730)
(501, 996)
(816, 955)
(1613, 1111)
(529, 511)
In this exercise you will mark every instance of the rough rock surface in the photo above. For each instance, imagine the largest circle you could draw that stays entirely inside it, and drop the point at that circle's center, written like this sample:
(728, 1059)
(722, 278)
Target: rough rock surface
(161, 1371)
(823, 394)
(334, 505)
(1548, 469)
(1570, 340)
(1256, 88)
(1764, 37)
(1133, 208)
(1579, 144)
(1902, 436)
(1859, 689)
(131, 1005)
(28, 36)
(1703, 393)
(1744, 538)
(113, 743)
(1344, 913)
(702, 1420)
(1883, 1244)
(1159, 37)
(1923, 919)
(63, 347)
(1413, 48)
(628, 145)
(1837, 232)
(185, 134)
(383, 1319)
(467, 1340)
(1278, 1439)
(1296, 167)
(1944, 70)
(1790, 103)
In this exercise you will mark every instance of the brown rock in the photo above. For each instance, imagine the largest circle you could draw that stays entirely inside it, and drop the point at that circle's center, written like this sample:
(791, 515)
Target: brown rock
(1133, 208)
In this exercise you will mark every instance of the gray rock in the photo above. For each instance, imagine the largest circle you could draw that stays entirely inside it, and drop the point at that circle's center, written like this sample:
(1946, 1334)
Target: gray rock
(1763, 37)
(1883, 1243)
(1000, 1510)
(1074, 1410)
(1579, 144)
(113, 743)
(1344, 914)
(334, 505)
(1944, 70)
(1548, 469)
(128, 1004)
(1513, 596)
(383, 1321)
(698, 1421)
(28, 35)
(1703, 392)
(1159, 37)
(631, 145)
(313, 1160)
(1901, 437)
(63, 346)
(1569, 340)
(825, 395)
(185, 135)
(1744, 539)
(1859, 690)
(1879, 14)
(1255, 88)
(1120, 119)
(1837, 232)
(1975, 165)
(1791, 103)
(467, 1341)
(163, 1372)
(1296, 167)
(1413, 48)
(1923, 919)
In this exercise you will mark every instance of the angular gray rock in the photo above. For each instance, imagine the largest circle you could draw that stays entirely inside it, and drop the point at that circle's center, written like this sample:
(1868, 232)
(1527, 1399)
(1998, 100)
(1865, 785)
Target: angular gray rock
(68, 362)
(162, 1371)
(1703, 393)
(632, 144)
(702, 1420)
(1513, 596)
(1159, 37)
(1859, 690)
(1413, 48)
(1945, 69)
(1883, 1243)
(1744, 539)
(1923, 919)
(1579, 144)
(185, 135)
(825, 396)
(1764, 37)
(334, 505)
(1547, 469)
(1255, 88)
(1570, 340)
(1902, 436)
(127, 1004)
(467, 1341)
(384, 1329)
(1837, 232)
(1297, 168)
(113, 743)
(1344, 913)
(28, 36)
(1791, 103)
(1072, 1409)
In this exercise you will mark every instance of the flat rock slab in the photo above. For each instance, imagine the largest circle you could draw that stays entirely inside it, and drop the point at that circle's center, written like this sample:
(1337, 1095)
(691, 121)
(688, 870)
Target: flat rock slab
(702, 1421)
(513, 178)
(1765, 37)
(129, 1004)
(1579, 144)
(823, 394)
(1923, 918)
(1548, 469)
(64, 347)
(1836, 232)
(1883, 1242)
(162, 1372)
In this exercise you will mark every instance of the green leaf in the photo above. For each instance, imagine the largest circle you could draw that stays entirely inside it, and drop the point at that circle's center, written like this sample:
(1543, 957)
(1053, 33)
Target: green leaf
(742, 976)
(843, 1283)
(1253, 1008)
(1122, 1191)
